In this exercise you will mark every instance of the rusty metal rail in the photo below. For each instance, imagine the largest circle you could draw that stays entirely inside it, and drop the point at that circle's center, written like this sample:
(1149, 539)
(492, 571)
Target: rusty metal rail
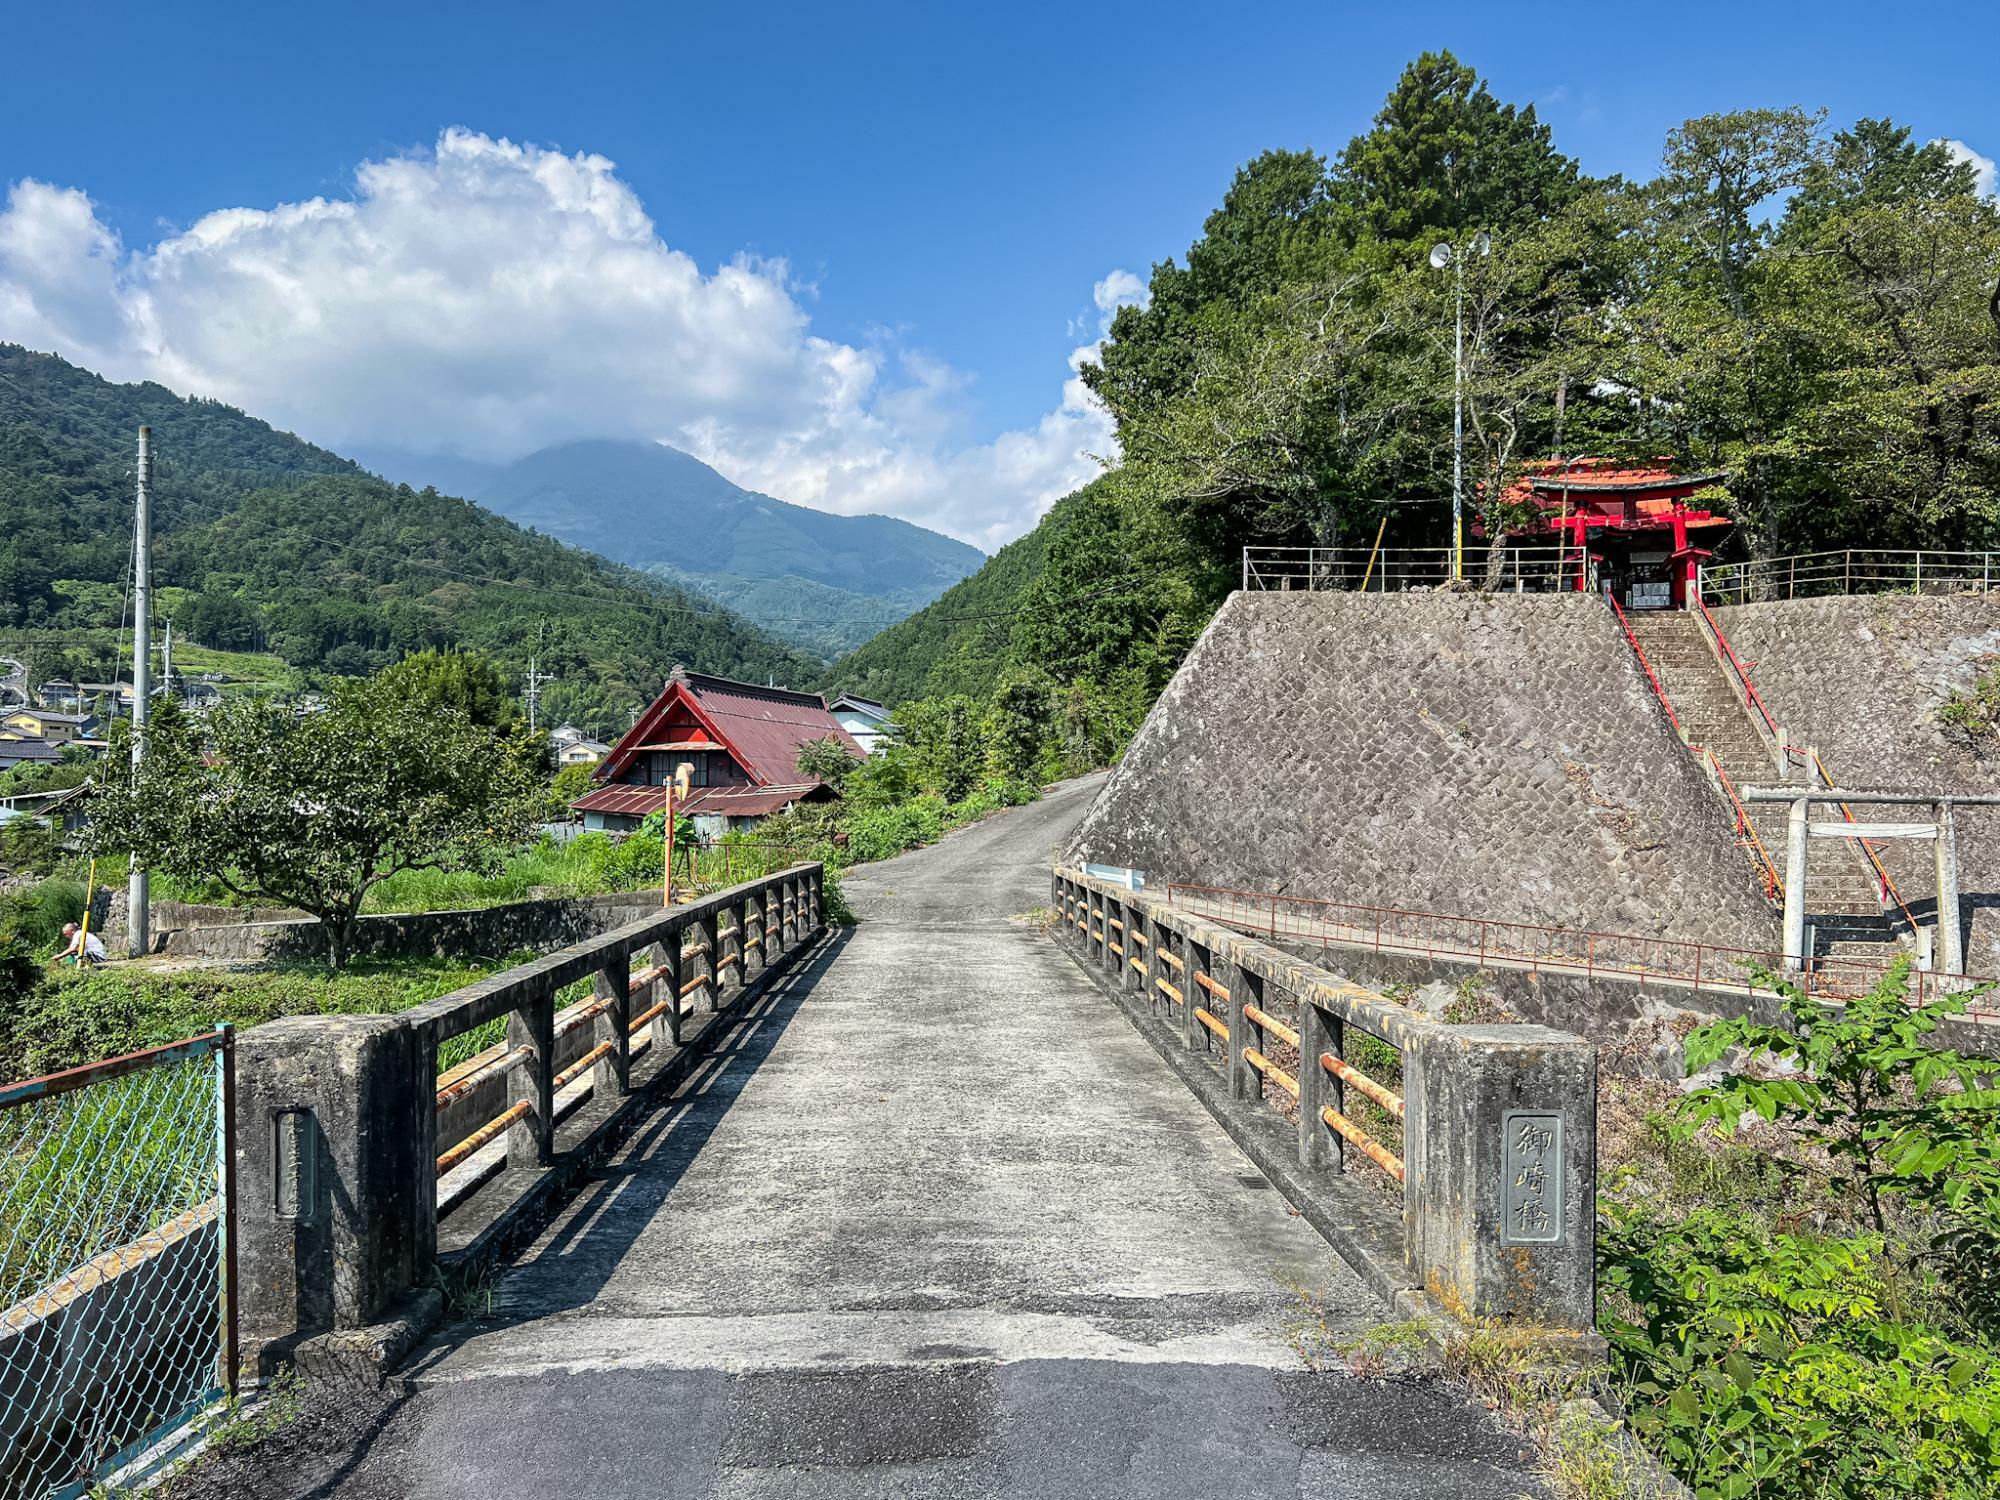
(509, 1091)
(1237, 1012)
(1482, 1137)
(1704, 968)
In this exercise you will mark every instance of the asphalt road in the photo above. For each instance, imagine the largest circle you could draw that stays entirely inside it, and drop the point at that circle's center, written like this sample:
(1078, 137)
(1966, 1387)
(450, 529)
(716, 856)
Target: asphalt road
(934, 1222)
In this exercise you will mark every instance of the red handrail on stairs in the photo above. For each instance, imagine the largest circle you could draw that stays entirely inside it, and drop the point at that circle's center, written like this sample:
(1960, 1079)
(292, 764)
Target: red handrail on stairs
(1774, 887)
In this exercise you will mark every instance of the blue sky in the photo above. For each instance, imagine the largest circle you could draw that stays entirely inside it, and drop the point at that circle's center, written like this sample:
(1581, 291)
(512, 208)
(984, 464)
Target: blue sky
(945, 185)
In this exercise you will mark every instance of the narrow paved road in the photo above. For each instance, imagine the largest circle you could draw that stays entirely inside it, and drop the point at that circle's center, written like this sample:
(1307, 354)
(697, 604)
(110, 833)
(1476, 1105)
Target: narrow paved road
(934, 1222)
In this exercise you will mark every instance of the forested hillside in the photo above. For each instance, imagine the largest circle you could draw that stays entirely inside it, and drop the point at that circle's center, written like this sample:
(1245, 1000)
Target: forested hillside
(1814, 313)
(286, 547)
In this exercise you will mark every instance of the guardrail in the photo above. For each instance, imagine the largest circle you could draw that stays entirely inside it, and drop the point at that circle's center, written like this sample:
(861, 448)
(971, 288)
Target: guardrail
(360, 1146)
(117, 1262)
(1821, 574)
(1703, 968)
(1484, 1134)
(1523, 569)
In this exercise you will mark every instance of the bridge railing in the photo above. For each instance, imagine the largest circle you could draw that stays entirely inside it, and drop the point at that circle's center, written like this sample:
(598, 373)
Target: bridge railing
(356, 1146)
(1485, 1135)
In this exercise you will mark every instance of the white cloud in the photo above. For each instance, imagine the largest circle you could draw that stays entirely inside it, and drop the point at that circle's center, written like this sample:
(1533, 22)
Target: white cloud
(486, 299)
(1983, 170)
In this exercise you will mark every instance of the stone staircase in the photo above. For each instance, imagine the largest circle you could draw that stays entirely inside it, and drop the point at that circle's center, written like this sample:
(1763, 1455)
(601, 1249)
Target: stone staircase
(1843, 905)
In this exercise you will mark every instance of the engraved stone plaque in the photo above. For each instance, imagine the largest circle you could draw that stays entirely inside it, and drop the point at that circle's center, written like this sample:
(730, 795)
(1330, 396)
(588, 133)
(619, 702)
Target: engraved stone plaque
(295, 1156)
(1531, 1186)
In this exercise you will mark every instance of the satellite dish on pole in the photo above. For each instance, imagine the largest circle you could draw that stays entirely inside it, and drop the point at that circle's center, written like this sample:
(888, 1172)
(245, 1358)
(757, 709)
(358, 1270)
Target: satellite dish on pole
(1440, 257)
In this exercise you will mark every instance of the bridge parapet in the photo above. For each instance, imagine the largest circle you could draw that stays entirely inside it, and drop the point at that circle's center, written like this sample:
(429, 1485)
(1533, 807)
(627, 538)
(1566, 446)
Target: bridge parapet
(344, 1181)
(1490, 1137)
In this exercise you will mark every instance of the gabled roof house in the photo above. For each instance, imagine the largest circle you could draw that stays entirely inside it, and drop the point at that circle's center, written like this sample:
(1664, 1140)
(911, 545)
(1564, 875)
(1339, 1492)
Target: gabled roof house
(741, 740)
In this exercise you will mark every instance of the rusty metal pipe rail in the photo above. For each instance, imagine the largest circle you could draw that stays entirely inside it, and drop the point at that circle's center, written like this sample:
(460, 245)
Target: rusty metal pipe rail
(679, 945)
(1494, 1168)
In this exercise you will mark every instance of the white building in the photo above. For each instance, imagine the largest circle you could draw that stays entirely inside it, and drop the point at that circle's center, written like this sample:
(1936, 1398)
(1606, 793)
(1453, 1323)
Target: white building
(868, 722)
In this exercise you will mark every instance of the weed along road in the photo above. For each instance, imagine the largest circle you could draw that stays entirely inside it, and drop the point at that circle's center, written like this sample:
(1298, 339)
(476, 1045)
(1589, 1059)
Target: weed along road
(933, 1221)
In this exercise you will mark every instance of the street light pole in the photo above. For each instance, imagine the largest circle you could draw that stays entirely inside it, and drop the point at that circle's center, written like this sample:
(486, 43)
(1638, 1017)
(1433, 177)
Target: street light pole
(1443, 255)
(1458, 427)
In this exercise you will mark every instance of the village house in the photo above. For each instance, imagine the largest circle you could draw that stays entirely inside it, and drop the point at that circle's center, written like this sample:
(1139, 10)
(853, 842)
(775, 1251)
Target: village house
(572, 747)
(865, 720)
(740, 741)
(44, 724)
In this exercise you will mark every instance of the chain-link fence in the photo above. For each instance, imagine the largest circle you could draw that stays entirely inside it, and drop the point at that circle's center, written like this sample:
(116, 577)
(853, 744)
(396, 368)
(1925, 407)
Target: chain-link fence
(115, 1267)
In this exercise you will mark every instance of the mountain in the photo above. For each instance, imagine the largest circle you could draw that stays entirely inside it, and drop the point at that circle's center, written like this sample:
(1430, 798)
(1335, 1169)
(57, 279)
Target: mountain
(268, 541)
(960, 643)
(823, 581)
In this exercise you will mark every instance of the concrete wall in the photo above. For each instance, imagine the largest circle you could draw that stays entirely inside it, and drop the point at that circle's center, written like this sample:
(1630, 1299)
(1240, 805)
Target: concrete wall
(1499, 756)
(492, 930)
(1862, 679)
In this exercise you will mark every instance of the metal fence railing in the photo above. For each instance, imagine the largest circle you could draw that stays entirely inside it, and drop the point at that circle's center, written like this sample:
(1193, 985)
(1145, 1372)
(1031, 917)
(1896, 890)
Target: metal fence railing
(1701, 968)
(1536, 569)
(1812, 575)
(116, 1262)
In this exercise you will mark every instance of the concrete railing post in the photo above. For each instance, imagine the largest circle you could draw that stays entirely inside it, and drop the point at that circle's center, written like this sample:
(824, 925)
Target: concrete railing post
(611, 986)
(710, 993)
(774, 935)
(665, 1030)
(1500, 1146)
(1318, 1146)
(336, 1187)
(531, 1139)
(1245, 988)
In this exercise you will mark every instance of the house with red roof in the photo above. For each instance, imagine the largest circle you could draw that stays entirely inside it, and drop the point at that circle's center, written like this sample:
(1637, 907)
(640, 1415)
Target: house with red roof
(740, 741)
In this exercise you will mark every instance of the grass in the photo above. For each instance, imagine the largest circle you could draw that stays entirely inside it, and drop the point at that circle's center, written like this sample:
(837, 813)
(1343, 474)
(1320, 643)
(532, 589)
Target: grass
(588, 865)
(76, 1017)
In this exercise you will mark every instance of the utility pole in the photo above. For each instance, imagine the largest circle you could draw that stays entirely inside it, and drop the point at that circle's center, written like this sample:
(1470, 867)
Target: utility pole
(138, 911)
(536, 677)
(167, 662)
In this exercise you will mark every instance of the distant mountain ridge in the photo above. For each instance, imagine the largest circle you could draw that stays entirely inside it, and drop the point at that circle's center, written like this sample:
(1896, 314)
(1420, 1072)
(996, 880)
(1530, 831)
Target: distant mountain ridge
(823, 581)
(295, 550)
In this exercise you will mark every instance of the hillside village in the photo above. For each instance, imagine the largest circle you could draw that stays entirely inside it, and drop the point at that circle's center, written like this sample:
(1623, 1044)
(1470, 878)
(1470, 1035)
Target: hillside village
(1456, 873)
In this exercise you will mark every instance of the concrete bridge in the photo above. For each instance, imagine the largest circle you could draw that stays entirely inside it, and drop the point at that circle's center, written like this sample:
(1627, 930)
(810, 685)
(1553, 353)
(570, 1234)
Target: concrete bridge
(920, 1212)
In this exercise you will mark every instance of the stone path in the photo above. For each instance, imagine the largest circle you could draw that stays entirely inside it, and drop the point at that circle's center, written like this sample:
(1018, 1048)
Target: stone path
(933, 1222)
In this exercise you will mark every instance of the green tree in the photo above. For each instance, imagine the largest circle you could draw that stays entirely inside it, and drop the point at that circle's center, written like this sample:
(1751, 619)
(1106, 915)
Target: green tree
(828, 759)
(1875, 164)
(314, 810)
(1445, 157)
(568, 784)
(947, 749)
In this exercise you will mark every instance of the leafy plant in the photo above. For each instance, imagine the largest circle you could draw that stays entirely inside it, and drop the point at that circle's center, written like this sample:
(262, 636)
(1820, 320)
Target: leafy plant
(1862, 1082)
(315, 810)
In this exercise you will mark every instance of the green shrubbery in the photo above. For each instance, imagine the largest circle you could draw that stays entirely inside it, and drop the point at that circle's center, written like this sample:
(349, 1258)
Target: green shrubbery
(71, 1017)
(1814, 1319)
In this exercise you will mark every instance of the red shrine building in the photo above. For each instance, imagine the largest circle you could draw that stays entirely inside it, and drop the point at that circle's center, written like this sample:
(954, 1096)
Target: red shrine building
(1633, 532)
(741, 741)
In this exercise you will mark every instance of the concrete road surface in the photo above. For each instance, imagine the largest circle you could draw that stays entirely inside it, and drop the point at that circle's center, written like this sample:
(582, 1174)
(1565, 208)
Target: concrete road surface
(934, 1222)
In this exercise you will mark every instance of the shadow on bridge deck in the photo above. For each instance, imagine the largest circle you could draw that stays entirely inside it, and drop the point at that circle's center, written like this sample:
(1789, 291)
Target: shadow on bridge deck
(932, 1220)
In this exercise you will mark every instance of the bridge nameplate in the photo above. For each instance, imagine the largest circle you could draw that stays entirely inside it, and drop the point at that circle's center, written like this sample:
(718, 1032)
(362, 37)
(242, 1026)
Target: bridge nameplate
(296, 1158)
(1531, 1187)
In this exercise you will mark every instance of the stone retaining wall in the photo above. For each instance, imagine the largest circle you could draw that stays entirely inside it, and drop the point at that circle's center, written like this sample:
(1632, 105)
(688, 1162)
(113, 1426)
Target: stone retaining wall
(550, 923)
(1862, 679)
(1492, 755)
